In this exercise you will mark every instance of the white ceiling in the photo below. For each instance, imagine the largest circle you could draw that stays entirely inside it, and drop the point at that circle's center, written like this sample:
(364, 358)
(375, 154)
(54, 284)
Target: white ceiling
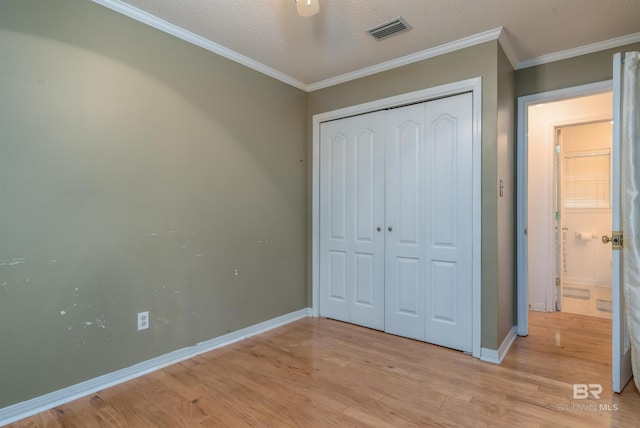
(331, 46)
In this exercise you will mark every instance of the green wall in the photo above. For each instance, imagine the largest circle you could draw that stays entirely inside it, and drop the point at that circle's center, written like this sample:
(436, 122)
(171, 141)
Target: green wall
(507, 201)
(137, 172)
(477, 61)
(580, 70)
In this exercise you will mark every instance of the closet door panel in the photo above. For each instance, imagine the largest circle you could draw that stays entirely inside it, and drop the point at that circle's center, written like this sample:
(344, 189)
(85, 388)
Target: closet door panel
(404, 213)
(337, 187)
(442, 301)
(334, 221)
(367, 303)
(449, 231)
(351, 210)
(365, 175)
(365, 278)
(443, 167)
(408, 283)
(338, 281)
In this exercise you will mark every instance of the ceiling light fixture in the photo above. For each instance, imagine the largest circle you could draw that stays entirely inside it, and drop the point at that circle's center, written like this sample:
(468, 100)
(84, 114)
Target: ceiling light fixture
(307, 7)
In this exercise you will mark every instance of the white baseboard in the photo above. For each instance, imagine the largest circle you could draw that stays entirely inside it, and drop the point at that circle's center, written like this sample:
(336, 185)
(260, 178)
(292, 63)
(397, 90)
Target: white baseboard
(496, 357)
(28, 408)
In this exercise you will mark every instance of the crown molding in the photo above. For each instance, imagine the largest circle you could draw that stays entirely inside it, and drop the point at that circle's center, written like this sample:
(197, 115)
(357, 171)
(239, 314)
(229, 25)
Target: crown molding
(495, 34)
(582, 50)
(187, 36)
(507, 47)
(409, 59)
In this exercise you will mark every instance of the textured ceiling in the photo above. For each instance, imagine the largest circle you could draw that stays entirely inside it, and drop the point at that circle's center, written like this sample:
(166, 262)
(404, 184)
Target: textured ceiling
(334, 43)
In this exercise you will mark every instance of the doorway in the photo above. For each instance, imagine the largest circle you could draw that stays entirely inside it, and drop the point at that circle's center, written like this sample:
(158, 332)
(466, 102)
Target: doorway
(537, 217)
(620, 343)
(472, 86)
(539, 118)
(583, 217)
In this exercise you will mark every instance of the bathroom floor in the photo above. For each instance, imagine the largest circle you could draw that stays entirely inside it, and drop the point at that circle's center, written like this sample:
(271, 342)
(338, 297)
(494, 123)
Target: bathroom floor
(591, 300)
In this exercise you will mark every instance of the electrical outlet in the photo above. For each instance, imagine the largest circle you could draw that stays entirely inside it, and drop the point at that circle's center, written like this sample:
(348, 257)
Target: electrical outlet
(143, 320)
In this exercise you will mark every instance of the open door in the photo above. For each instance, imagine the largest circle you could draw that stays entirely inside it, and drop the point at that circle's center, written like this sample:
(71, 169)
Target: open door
(621, 354)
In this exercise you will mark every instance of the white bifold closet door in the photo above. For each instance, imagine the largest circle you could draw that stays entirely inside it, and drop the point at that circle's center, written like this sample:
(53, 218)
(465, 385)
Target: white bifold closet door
(351, 220)
(396, 221)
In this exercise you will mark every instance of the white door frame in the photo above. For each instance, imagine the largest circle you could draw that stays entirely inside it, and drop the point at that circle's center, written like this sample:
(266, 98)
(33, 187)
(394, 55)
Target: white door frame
(473, 85)
(522, 167)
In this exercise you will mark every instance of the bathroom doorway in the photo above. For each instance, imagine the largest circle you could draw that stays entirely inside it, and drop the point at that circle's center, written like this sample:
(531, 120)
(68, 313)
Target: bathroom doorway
(583, 218)
(544, 216)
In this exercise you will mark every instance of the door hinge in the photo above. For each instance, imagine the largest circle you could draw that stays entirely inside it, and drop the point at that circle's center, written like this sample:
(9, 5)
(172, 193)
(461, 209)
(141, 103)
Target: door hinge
(557, 282)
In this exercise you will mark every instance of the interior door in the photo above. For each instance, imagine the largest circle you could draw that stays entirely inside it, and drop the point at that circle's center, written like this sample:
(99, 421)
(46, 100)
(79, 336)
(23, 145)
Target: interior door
(429, 222)
(449, 228)
(351, 220)
(621, 348)
(406, 217)
(396, 221)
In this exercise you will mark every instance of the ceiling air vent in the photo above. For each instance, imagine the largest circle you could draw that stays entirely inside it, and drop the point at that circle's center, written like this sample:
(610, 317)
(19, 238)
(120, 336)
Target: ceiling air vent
(389, 28)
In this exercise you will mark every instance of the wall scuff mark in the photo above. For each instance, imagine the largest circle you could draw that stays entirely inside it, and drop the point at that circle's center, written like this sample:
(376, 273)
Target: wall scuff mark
(13, 262)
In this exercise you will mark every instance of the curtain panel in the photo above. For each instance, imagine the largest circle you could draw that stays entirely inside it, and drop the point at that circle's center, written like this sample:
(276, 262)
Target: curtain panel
(630, 202)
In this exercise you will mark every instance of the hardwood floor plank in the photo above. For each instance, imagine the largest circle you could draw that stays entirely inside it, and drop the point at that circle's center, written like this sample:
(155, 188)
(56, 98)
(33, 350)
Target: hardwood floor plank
(45, 420)
(324, 373)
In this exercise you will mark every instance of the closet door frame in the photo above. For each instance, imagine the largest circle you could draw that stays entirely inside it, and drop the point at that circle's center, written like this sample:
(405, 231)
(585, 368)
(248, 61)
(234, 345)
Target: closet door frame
(473, 85)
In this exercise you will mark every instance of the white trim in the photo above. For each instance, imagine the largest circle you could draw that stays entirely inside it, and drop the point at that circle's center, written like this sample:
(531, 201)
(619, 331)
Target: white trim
(522, 169)
(581, 50)
(409, 59)
(477, 218)
(474, 85)
(162, 25)
(496, 357)
(508, 49)
(187, 36)
(28, 408)
(476, 39)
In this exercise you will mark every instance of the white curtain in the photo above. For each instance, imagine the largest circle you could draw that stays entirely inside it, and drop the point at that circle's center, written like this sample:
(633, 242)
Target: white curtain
(630, 201)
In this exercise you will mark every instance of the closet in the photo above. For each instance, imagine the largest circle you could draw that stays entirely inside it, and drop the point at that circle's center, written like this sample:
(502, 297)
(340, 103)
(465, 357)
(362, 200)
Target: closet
(395, 210)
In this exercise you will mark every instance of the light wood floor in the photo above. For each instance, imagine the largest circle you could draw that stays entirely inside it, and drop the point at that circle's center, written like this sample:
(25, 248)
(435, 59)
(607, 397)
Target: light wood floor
(323, 373)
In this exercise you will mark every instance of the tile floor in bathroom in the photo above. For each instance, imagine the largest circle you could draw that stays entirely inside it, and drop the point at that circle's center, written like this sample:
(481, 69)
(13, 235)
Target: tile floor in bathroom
(591, 300)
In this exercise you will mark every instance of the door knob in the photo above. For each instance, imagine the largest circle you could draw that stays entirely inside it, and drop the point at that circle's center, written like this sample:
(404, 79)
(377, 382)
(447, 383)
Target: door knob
(378, 228)
(616, 240)
(389, 228)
